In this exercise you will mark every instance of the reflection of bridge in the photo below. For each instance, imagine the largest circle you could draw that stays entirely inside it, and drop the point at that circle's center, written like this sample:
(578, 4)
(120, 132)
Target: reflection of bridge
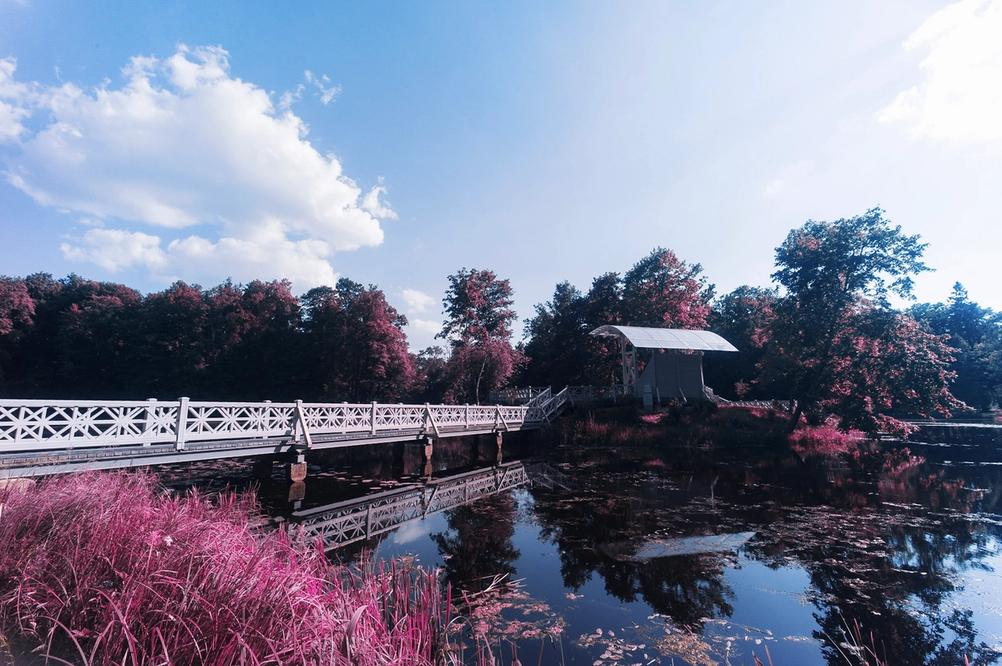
(40, 437)
(363, 518)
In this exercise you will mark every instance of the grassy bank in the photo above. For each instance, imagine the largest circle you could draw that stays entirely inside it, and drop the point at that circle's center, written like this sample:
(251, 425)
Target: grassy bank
(107, 568)
(708, 427)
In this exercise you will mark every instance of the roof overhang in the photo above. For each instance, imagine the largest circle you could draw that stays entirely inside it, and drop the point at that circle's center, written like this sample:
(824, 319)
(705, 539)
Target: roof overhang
(667, 338)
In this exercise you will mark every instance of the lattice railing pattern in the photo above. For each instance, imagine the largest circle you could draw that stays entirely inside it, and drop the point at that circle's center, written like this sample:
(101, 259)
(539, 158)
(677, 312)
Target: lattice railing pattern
(357, 520)
(32, 425)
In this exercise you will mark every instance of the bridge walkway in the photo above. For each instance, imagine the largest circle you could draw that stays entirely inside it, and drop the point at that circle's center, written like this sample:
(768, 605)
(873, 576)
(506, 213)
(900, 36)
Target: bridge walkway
(39, 437)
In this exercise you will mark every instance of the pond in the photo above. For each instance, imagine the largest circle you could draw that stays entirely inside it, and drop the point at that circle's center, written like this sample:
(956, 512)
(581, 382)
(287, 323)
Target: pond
(672, 555)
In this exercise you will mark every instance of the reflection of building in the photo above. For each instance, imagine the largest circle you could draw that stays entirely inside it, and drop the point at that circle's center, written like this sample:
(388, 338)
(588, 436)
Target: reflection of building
(673, 367)
(360, 519)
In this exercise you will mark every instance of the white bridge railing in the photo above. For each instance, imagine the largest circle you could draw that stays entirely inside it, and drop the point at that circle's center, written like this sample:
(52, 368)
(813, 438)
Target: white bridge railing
(33, 425)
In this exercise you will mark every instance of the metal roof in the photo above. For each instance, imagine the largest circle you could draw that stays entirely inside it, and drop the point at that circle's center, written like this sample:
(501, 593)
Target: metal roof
(667, 338)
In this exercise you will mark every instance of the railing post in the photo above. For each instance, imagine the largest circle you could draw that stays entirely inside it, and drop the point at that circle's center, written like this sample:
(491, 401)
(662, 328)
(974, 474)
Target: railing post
(297, 424)
(151, 405)
(467, 416)
(182, 423)
(302, 431)
(372, 418)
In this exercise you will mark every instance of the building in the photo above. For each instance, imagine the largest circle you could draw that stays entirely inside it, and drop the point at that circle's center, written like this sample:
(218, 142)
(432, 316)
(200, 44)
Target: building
(669, 360)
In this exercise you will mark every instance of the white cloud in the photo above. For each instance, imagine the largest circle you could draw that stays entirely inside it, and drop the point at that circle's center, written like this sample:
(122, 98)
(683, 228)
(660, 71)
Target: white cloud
(372, 203)
(11, 111)
(417, 301)
(420, 331)
(960, 94)
(425, 325)
(326, 90)
(184, 144)
(114, 250)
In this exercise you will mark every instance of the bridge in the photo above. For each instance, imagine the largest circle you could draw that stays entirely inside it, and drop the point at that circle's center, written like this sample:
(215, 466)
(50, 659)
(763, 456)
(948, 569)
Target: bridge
(361, 519)
(40, 437)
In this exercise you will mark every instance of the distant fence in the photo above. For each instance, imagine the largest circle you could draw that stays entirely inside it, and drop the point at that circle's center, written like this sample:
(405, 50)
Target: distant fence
(530, 395)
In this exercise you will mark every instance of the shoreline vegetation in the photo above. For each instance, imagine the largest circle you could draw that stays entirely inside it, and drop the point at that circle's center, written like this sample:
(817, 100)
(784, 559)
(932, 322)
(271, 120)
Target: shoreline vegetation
(109, 568)
(112, 568)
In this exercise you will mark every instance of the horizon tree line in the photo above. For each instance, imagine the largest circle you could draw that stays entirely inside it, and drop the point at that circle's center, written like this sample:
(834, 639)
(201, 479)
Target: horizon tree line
(825, 334)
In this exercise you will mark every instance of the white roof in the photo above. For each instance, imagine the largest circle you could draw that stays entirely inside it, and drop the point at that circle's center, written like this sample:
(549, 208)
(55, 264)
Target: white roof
(667, 338)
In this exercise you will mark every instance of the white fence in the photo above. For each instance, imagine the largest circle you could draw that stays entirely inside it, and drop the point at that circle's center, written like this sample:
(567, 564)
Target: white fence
(32, 425)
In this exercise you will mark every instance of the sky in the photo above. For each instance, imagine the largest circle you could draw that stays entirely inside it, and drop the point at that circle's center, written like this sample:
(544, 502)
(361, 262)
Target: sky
(395, 143)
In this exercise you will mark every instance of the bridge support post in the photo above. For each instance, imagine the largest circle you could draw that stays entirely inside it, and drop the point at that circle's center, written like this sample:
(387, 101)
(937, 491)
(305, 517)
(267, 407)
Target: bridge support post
(429, 450)
(297, 467)
(297, 493)
(499, 440)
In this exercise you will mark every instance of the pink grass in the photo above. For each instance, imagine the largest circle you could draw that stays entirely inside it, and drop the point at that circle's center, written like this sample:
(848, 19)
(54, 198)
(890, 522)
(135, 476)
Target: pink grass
(825, 440)
(105, 568)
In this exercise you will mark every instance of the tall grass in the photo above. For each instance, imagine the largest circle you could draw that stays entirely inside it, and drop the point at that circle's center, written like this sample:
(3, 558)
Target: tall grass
(106, 568)
(826, 440)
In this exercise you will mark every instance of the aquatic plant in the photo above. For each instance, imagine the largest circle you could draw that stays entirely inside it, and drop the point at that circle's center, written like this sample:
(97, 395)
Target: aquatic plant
(106, 568)
(826, 440)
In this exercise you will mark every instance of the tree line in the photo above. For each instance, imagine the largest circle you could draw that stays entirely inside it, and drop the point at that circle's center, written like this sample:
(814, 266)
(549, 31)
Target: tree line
(80, 338)
(825, 333)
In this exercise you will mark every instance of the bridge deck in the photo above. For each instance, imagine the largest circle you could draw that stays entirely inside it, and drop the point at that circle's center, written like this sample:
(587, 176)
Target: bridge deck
(39, 437)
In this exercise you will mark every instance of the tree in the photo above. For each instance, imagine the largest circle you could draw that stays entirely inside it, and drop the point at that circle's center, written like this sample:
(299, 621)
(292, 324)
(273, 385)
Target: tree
(837, 277)
(557, 349)
(479, 315)
(884, 364)
(356, 347)
(430, 380)
(744, 318)
(662, 290)
(17, 312)
(976, 334)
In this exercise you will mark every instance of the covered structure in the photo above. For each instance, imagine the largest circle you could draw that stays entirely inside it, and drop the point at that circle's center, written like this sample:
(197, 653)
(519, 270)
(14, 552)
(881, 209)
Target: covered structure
(673, 370)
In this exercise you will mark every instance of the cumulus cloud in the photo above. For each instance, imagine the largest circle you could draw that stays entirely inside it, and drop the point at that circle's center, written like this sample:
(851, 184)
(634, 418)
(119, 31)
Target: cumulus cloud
(115, 249)
(417, 301)
(959, 96)
(428, 326)
(183, 145)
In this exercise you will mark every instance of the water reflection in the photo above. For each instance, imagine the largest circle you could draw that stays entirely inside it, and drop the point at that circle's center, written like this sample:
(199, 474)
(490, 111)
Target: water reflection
(905, 542)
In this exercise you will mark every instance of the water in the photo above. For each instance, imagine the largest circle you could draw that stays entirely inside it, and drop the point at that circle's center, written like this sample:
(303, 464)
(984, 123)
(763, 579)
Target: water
(668, 555)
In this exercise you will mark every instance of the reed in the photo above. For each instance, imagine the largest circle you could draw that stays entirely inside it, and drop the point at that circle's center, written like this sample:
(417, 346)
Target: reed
(108, 568)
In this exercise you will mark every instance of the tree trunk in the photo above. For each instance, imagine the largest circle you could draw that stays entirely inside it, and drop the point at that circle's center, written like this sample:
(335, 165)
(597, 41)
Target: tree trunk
(480, 375)
(795, 419)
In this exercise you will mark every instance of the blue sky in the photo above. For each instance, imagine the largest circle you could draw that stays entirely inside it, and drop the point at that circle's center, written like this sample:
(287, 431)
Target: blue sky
(143, 142)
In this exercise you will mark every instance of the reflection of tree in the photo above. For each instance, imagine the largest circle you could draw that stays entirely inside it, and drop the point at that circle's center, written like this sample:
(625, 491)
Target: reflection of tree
(597, 530)
(688, 589)
(889, 559)
(478, 543)
(890, 567)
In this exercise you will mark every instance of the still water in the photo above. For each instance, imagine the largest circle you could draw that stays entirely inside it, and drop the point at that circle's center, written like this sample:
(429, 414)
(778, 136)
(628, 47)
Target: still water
(670, 555)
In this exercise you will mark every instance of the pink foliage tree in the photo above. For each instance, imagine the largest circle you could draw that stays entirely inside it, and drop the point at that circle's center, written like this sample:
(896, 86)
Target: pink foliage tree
(662, 290)
(479, 315)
